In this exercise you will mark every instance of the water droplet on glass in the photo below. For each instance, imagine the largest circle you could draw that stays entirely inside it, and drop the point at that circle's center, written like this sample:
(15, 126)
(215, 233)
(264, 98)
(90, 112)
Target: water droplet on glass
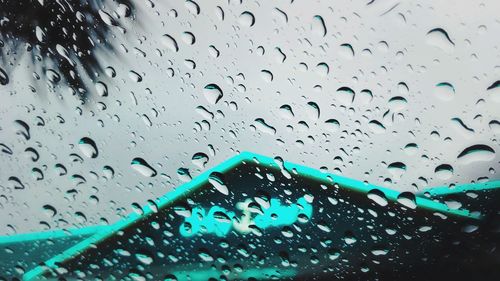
(4, 79)
(444, 171)
(101, 89)
(438, 37)
(262, 126)
(444, 91)
(142, 167)
(216, 179)
(169, 42)
(246, 19)
(21, 128)
(88, 147)
(200, 159)
(318, 26)
(378, 197)
(475, 153)
(212, 93)
(407, 199)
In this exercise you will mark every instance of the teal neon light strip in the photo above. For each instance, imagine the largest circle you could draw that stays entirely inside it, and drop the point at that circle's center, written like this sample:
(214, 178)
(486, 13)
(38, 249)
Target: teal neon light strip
(53, 234)
(225, 166)
(446, 190)
(161, 202)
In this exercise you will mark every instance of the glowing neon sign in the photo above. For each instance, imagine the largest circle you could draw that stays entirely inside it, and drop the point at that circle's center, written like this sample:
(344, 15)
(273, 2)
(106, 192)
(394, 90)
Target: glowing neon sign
(220, 221)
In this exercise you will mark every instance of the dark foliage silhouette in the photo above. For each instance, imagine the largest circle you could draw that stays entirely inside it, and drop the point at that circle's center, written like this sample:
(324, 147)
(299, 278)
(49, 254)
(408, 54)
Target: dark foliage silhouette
(62, 35)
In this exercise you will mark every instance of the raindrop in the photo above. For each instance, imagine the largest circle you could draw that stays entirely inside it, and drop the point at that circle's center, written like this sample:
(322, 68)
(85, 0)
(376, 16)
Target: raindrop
(107, 18)
(88, 147)
(134, 76)
(332, 125)
(40, 34)
(21, 128)
(108, 172)
(142, 167)
(397, 169)
(286, 111)
(262, 126)
(267, 75)
(216, 179)
(5, 149)
(144, 258)
(444, 91)
(49, 210)
(16, 183)
(246, 19)
(378, 197)
(444, 171)
(169, 42)
(397, 104)
(110, 72)
(184, 175)
(318, 26)
(438, 37)
(200, 159)
(407, 199)
(212, 93)
(376, 127)
(475, 153)
(313, 110)
(4, 79)
(345, 95)
(322, 69)
(346, 51)
(493, 89)
(188, 38)
(193, 7)
(53, 76)
(101, 89)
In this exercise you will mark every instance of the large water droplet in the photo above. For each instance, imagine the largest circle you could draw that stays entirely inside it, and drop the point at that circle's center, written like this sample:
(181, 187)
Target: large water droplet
(345, 95)
(169, 42)
(217, 180)
(246, 19)
(141, 166)
(312, 110)
(475, 153)
(444, 171)
(407, 199)
(444, 91)
(88, 147)
(212, 93)
(101, 89)
(40, 34)
(4, 79)
(21, 128)
(318, 26)
(200, 159)
(262, 126)
(438, 37)
(378, 197)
